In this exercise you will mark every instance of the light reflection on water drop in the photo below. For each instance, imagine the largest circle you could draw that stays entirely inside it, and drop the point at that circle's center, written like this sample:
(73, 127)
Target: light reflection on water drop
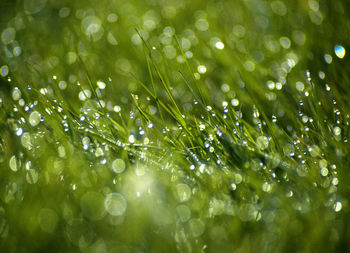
(337, 206)
(339, 51)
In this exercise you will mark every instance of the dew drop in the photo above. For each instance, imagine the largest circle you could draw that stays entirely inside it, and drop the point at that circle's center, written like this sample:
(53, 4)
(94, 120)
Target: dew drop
(337, 206)
(16, 94)
(4, 70)
(197, 227)
(115, 204)
(118, 165)
(132, 139)
(183, 192)
(13, 163)
(34, 118)
(336, 131)
(83, 95)
(339, 51)
(328, 58)
(32, 176)
(183, 212)
(219, 45)
(262, 142)
(324, 171)
(235, 102)
(202, 69)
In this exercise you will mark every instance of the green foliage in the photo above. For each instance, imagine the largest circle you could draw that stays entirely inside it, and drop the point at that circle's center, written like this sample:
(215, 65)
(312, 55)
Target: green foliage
(180, 126)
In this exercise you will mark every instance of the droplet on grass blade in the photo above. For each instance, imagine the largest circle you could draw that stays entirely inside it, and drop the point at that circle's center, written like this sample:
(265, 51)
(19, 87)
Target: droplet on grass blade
(262, 142)
(34, 118)
(339, 51)
(4, 70)
(16, 94)
(337, 206)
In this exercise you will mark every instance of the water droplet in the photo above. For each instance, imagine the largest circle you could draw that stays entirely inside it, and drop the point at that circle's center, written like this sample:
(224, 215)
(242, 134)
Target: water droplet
(32, 176)
(131, 139)
(202, 24)
(34, 6)
(237, 178)
(328, 58)
(62, 85)
(337, 206)
(101, 85)
(115, 204)
(336, 131)
(285, 42)
(335, 181)
(300, 86)
(219, 45)
(8, 35)
(339, 51)
(262, 142)
(34, 118)
(118, 165)
(183, 192)
(324, 171)
(64, 12)
(112, 17)
(197, 227)
(4, 70)
(279, 8)
(266, 187)
(183, 212)
(314, 151)
(235, 102)
(61, 151)
(26, 141)
(202, 69)
(83, 95)
(99, 152)
(16, 94)
(86, 142)
(14, 163)
(92, 27)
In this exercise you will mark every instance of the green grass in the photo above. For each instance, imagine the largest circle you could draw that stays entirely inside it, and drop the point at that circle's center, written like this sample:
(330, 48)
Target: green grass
(180, 126)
